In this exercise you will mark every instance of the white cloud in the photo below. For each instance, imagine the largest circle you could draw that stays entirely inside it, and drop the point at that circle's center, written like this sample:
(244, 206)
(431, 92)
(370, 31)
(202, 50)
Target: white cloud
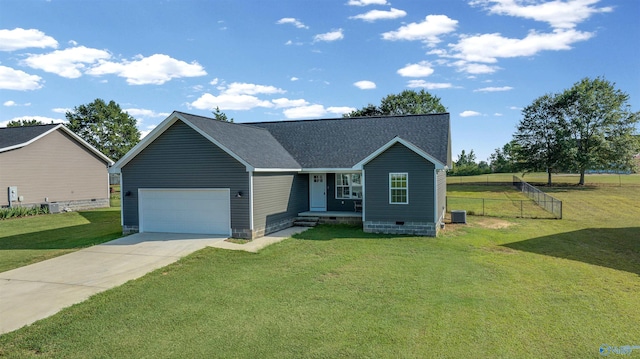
(67, 63)
(488, 48)
(515, 108)
(494, 89)
(11, 103)
(61, 110)
(329, 36)
(12, 79)
(294, 78)
(365, 85)
(366, 2)
(241, 88)
(214, 81)
(229, 102)
(19, 38)
(374, 15)
(559, 14)
(295, 22)
(145, 132)
(155, 69)
(469, 113)
(427, 31)
(141, 112)
(429, 85)
(340, 110)
(309, 111)
(421, 69)
(285, 102)
(316, 111)
(475, 69)
(45, 120)
(497, 114)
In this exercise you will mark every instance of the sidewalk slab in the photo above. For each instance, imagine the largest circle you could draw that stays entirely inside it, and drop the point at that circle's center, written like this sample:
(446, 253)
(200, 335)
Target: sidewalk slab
(259, 243)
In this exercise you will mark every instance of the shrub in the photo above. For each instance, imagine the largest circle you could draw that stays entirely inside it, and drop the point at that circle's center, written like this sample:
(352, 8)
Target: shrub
(16, 212)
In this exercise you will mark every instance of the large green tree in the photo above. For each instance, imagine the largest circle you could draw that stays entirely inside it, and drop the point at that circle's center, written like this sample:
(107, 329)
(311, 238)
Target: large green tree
(504, 160)
(542, 137)
(24, 123)
(588, 126)
(408, 102)
(601, 126)
(105, 126)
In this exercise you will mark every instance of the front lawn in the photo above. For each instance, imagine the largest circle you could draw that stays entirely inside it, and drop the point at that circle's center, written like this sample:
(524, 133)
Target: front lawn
(33, 239)
(512, 288)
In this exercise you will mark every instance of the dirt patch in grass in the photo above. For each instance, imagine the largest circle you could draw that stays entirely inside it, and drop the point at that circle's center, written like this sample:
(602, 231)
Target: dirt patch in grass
(475, 221)
(491, 223)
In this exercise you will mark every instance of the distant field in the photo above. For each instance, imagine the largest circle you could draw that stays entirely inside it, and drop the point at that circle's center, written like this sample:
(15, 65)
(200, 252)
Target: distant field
(561, 179)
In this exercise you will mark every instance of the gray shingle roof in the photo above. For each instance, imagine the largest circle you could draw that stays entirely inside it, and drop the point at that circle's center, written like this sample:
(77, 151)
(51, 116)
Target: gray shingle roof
(14, 136)
(253, 144)
(341, 143)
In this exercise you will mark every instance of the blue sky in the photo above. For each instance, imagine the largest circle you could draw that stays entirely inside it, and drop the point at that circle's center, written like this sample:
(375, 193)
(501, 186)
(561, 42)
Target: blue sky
(294, 59)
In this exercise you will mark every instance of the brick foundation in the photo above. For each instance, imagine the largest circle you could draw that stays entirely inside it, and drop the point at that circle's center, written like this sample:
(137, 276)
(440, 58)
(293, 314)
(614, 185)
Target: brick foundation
(261, 232)
(412, 228)
(340, 220)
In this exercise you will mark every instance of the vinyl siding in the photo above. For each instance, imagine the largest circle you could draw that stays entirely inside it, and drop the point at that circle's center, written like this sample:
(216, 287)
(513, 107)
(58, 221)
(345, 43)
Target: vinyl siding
(54, 167)
(334, 204)
(181, 158)
(278, 196)
(398, 158)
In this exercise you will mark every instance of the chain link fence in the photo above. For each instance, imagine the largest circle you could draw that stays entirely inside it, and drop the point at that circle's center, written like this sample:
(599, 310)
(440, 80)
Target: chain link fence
(549, 203)
(490, 207)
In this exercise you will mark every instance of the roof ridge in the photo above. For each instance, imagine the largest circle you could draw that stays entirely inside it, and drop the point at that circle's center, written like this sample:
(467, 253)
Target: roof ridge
(245, 124)
(354, 118)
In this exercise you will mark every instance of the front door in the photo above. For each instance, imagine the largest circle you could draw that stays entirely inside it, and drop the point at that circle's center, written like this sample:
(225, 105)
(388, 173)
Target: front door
(318, 191)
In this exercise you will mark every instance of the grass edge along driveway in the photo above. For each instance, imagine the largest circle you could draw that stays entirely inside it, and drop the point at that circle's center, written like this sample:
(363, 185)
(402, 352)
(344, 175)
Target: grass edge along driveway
(28, 240)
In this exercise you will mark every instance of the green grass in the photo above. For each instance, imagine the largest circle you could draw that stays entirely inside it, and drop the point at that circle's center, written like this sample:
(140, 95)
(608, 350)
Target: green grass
(33, 239)
(511, 288)
(493, 200)
(561, 179)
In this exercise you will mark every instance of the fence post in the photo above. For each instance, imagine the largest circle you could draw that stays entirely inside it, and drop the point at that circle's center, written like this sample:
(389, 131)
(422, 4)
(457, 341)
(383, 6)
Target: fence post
(483, 206)
(521, 215)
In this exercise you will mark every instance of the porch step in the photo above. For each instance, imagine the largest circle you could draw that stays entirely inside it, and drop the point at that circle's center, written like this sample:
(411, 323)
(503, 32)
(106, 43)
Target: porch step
(306, 221)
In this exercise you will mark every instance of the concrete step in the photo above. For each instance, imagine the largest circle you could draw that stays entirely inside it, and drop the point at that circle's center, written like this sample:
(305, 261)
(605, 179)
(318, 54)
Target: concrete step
(305, 223)
(307, 218)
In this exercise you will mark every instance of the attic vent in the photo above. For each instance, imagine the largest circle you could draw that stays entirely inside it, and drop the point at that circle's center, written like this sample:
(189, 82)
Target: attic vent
(458, 216)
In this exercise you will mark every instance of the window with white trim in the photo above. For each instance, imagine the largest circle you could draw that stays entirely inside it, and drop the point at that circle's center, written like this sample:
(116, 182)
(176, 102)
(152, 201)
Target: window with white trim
(348, 185)
(398, 188)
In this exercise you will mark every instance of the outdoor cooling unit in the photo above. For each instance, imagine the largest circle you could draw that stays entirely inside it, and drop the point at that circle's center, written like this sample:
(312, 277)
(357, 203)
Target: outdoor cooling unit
(458, 216)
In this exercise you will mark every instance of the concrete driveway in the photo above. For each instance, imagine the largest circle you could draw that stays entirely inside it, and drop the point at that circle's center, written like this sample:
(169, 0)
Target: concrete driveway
(42, 289)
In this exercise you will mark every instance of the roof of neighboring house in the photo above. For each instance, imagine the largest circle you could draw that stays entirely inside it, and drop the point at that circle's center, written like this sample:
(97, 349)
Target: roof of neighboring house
(15, 137)
(314, 144)
(341, 143)
(12, 138)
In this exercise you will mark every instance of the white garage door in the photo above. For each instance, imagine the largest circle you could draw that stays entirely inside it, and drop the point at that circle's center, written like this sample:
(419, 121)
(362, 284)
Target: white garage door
(171, 210)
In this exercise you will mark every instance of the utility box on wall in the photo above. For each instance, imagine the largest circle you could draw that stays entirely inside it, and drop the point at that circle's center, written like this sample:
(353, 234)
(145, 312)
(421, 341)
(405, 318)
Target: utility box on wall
(13, 194)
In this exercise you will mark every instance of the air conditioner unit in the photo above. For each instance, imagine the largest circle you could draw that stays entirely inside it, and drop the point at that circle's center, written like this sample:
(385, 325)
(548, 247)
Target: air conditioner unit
(458, 216)
(52, 207)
